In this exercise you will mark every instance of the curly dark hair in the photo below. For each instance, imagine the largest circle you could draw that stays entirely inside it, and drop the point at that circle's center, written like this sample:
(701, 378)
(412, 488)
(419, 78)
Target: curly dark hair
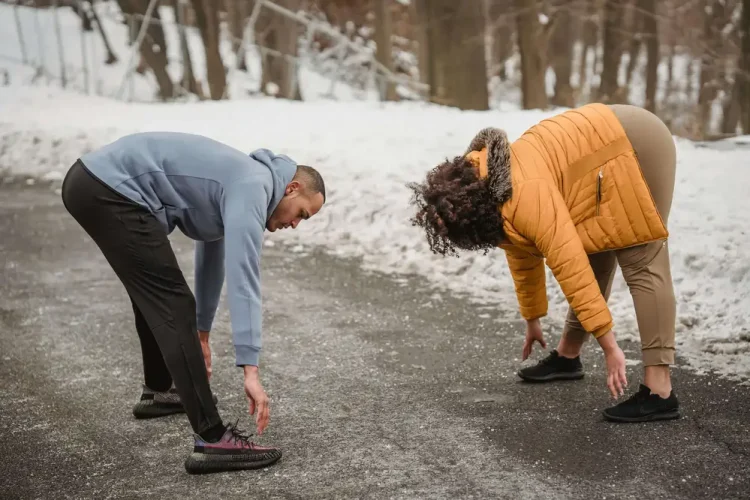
(457, 209)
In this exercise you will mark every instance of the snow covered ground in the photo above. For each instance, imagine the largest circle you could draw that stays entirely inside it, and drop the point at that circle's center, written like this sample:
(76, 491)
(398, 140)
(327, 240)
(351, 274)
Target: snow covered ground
(367, 152)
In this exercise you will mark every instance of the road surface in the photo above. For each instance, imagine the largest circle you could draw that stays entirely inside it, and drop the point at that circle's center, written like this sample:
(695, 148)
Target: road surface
(380, 388)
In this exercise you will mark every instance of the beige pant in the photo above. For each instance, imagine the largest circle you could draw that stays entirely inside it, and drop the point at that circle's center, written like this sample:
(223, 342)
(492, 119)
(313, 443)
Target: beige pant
(646, 267)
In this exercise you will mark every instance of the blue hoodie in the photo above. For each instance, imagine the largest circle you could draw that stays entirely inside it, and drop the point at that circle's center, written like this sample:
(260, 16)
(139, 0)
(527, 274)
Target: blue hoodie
(216, 195)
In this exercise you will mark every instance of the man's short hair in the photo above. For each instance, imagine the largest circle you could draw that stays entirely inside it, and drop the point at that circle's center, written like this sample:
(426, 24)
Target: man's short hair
(312, 180)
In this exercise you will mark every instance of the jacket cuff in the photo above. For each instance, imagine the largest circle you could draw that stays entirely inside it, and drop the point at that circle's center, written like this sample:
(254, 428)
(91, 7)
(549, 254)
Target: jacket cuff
(246, 355)
(204, 323)
(601, 331)
(534, 312)
(532, 317)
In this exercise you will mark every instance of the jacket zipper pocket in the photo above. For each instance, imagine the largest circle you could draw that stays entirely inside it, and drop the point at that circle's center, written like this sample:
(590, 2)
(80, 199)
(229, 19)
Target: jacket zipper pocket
(599, 191)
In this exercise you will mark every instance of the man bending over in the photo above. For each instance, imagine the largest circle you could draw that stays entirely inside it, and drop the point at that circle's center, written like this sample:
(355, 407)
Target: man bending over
(129, 196)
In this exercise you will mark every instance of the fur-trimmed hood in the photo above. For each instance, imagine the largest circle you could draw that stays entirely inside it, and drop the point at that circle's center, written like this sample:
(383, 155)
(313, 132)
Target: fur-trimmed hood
(497, 146)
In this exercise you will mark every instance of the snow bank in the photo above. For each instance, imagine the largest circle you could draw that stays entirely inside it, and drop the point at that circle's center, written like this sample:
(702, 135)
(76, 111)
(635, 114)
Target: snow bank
(367, 153)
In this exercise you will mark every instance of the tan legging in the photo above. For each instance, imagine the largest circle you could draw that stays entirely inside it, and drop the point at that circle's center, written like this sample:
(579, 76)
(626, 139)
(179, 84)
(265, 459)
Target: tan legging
(646, 267)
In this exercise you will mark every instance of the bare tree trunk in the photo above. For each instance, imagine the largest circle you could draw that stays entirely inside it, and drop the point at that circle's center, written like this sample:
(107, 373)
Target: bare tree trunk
(207, 19)
(189, 82)
(155, 59)
(650, 31)
(133, 29)
(500, 25)
(693, 87)
(732, 110)
(383, 33)
(743, 76)
(111, 56)
(532, 51)
(420, 15)
(709, 86)
(488, 38)
(281, 35)
(636, 28)
(60, 45)
(671, 42)
(561, 50)
(589, 40)
(237, 12)
(289, 31)
(457, 59)
(503, 48)
(609, 89)
(86, 21)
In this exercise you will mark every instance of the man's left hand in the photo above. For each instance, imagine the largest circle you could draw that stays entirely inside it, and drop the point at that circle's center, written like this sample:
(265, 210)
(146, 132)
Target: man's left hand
(206, 348)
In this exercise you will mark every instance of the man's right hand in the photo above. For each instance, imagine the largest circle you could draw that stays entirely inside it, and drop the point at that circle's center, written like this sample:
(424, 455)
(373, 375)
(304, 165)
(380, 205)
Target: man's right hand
(257, 398)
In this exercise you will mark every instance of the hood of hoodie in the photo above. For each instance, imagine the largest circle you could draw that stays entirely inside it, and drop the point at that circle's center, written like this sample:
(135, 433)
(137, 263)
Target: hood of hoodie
(282, 170)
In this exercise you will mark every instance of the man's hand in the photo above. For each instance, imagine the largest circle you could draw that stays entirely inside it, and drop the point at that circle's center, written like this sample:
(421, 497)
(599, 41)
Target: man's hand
(206, 348)
(533, 334)
(615, 358)
(257, 398)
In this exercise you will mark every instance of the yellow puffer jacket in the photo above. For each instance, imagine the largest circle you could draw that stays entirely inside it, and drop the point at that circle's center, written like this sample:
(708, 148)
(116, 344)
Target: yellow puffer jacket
(569, 186)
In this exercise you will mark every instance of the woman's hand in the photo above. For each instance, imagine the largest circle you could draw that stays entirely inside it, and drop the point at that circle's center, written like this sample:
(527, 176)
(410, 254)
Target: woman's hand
(615, 358)
(533, 334)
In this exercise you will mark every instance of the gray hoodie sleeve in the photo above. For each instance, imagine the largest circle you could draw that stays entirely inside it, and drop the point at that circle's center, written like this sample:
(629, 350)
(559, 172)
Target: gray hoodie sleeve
(244, 214)
(209, 279)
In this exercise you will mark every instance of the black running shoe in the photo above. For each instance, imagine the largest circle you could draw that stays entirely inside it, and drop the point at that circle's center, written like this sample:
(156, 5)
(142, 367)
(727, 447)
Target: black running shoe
(159, 404)
(553, 367)
(644, 407)
(234, 451)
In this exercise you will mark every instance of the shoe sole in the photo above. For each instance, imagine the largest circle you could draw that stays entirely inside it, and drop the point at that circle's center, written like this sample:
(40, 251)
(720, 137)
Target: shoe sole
(653, 417)
(149, 409)
(552, 377)
(201, 463)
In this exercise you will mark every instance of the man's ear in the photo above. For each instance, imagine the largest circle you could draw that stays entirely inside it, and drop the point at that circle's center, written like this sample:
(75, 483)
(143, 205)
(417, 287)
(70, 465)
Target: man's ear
(292, 187)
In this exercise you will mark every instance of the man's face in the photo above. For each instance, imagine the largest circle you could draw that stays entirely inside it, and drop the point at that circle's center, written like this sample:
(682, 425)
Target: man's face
(295, 206)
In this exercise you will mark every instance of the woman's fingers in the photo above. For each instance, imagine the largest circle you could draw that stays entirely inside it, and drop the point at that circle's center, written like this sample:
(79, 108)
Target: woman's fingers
(623, 379)
(611, 385)
(618, 385)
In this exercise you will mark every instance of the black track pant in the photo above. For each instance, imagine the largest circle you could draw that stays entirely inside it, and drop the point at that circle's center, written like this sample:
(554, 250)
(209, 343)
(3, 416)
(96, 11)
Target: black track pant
(136, 246)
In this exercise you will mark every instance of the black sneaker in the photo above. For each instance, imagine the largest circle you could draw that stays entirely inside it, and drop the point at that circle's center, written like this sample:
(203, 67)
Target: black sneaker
(553, 367)
(644, 407)
(234, 451)
(159, 404)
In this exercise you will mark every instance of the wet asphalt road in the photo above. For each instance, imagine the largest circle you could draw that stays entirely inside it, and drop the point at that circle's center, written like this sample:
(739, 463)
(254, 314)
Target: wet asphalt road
(380, 389)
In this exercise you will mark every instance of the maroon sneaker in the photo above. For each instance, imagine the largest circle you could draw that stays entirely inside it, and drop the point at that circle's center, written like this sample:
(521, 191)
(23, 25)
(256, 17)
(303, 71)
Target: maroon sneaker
(234, 451)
